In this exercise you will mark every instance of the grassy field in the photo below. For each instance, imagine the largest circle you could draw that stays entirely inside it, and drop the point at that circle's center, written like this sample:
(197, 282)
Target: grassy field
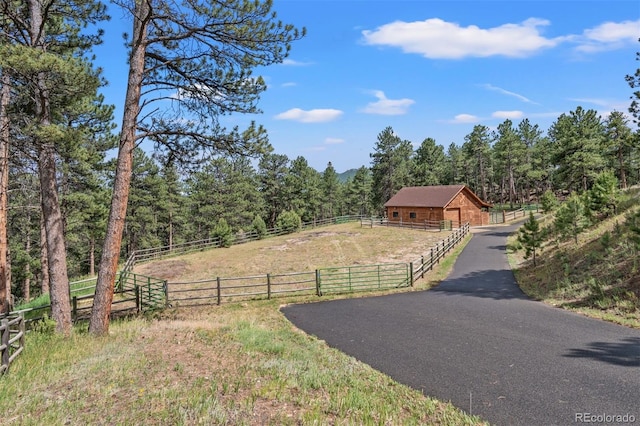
(235, 364)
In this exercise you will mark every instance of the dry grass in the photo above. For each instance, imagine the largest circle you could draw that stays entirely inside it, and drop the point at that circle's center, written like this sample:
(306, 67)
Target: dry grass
(598, 277)
(336, 245)
(235, 364)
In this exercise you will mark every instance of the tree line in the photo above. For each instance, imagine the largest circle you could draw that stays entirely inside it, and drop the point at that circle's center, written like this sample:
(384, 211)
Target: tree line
(69, 207)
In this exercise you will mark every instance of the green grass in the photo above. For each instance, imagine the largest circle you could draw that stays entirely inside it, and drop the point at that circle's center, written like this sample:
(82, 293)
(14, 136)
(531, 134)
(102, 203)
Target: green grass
(235, 364)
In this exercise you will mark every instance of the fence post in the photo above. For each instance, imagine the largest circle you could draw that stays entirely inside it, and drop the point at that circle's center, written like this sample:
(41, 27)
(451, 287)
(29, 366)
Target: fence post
(22, 330)
(165, 288)
(149, 289)
(4, 342)
(422, 266)
(218, 290)
(431, 265)
(74, 310)
(411, 273)
(138, 301)
(318, 290)
(268, 286)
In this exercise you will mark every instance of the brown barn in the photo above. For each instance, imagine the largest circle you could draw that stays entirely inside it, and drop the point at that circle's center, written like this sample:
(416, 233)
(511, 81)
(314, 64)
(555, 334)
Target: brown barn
(423, 204)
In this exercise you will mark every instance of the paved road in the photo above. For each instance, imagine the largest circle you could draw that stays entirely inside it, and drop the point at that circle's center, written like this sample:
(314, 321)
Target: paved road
(477, 341)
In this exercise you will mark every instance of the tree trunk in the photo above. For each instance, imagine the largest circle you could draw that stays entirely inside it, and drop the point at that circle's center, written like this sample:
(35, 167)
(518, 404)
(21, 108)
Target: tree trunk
(56, 250)
(26, 285)
(5, 282)
(92, 256)
(170, 231)
(44, 259)
(101, 311)
(623, 175)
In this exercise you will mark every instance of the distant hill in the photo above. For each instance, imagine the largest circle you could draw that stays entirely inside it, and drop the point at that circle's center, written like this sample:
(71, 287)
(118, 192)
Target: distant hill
(344, 176)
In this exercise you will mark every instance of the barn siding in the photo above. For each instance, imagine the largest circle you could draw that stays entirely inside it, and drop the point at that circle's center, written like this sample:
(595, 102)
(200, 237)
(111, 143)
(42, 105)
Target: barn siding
(462, 208)
(422, 214)
(470, 210)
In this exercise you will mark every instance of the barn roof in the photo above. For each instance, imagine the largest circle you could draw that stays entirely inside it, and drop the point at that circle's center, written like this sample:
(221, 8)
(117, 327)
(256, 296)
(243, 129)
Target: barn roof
(429, 196)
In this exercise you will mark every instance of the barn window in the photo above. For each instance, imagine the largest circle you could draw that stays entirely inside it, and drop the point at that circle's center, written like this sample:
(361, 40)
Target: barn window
(412, 215)
(395, 214)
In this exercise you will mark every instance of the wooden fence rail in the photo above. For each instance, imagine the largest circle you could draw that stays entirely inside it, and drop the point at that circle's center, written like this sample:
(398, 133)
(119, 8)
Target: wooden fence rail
(435, 225)
(12, 332)
(438, 252)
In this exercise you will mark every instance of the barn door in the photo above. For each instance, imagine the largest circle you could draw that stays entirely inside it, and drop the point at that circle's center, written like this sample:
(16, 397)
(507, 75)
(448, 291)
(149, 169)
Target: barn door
(454, 215)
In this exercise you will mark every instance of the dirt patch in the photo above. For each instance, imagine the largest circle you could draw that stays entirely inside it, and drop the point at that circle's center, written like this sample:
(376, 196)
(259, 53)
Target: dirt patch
(306, 238)
(163, 269)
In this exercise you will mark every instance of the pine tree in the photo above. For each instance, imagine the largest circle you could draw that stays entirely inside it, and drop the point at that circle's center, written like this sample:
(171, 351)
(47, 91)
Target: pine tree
(331, 192)
(272, 172)
(455, 171)
(571, 218)
(390, 166)
(603, 195)
(549, 201)
(358, 190)
(223, 233)
(530, 237)
(201, 55)
(509, 152)
(304, 192)
(530, 136)
(620, 144)
(578, 140)
(476, 149)
(429, 164)
(44, 50)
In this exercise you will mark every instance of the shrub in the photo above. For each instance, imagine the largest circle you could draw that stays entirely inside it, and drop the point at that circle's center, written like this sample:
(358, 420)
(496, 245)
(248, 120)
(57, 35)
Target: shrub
(289, 221)
(223, 232)
(549, 201)
(259, 227)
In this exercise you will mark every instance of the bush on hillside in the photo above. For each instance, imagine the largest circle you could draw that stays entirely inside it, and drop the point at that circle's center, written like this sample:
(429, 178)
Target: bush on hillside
(549, 201)
(289, 222)
(259, 227)
(223, 232)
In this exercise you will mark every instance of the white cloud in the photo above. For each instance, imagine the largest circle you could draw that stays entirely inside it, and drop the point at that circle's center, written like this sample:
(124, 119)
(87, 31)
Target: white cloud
(464, 119)
(333, 141)
(507, 114)
(614, 31)
(438, 39)
(311, 116)
(508, 93)
(386, 106)
(289, 84)
(609, 35)
(292, 63)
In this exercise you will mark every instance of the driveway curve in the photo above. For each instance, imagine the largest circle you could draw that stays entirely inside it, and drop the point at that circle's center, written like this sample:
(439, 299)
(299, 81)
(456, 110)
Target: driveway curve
(477, 341)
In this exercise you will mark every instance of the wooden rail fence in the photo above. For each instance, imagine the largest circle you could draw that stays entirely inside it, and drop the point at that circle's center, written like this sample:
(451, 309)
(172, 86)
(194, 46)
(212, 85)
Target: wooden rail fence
(437, 225)
(12, 332)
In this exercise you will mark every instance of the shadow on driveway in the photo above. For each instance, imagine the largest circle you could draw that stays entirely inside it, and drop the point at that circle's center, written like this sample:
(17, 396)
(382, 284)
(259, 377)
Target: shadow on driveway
(625, 353)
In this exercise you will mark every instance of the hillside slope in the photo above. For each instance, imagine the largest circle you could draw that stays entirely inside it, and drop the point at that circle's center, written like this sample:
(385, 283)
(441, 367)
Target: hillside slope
(599, 276)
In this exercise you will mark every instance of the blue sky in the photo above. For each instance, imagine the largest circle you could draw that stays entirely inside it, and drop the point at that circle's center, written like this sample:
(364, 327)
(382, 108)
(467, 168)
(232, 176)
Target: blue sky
(428, 69)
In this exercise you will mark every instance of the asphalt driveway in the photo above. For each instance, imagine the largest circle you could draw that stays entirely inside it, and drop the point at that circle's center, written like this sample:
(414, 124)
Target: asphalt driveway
(476, 340)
